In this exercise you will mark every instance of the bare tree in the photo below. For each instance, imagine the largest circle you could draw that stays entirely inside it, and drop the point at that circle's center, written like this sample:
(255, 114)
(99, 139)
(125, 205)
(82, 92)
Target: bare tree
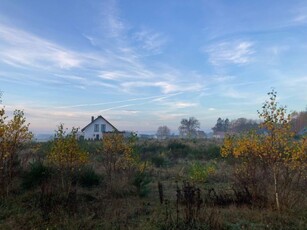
(188, 127)
(163, 132)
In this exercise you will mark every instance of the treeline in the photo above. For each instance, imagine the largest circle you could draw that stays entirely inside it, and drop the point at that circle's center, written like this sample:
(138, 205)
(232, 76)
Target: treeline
(239, 125)
(297, 121)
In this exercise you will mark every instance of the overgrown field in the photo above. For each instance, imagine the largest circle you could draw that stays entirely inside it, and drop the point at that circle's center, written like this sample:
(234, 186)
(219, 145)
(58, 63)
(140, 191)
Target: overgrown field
(169, 184)
(252, 180)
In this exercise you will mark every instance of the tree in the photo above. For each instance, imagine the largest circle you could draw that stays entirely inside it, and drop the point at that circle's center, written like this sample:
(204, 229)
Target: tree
(66, 156)
(117, 154)
(114, 148)
(163, 132)
(13, 134)
(121, 161)
(188, 127)
(226, 125)
(221, 125)
(242, 125)
(299, 121)
(281, 158)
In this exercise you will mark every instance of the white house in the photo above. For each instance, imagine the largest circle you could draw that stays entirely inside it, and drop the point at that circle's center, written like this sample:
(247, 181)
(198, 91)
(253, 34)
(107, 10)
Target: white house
(96, 128)
(219, 135)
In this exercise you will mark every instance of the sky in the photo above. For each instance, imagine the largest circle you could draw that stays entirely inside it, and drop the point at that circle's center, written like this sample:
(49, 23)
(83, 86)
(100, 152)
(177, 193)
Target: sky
(144, 64)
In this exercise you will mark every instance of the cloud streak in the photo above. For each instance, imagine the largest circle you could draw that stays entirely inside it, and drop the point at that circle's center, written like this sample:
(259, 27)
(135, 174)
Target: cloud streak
(150, 40)
(22, 48)
(230, 52)
(154, 98)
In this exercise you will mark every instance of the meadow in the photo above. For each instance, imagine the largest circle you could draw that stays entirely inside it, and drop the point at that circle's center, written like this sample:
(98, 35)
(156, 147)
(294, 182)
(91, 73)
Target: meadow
(251, 180)
(182, 184)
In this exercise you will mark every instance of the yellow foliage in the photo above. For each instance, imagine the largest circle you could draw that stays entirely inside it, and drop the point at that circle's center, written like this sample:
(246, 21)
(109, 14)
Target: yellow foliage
(65, 152)
(13, 134)
(275, 147)
(119, 154)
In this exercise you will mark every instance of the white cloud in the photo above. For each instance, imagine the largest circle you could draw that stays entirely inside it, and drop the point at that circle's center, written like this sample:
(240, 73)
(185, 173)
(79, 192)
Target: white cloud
(111, 22)
(22, 48)
(151, 41)
(111, 75)
(147, 99)
(165, 87)
(299, 15)
(180, 105)
(234, 52)
(300, 18)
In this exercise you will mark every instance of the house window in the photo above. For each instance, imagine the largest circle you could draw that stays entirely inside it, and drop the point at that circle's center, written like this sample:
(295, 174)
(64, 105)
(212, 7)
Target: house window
(103, 128)
(96, 128)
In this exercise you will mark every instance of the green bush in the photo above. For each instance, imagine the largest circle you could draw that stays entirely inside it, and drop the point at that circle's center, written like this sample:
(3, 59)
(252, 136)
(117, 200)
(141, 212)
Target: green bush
(141, 181)
(178, 149)
(213, 151)
(89, 178)
(199, 172)
(158, 161)
(37, 174)
(197, 154)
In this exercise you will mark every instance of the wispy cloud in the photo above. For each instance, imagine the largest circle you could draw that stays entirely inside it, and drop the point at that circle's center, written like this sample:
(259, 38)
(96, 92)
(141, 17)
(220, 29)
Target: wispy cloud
(152, 98)
(230, 52)
(150, 40)
(181, 105)
(22, 48)
(166, 87)
(300, 18)
(112, 22)
(299, 15)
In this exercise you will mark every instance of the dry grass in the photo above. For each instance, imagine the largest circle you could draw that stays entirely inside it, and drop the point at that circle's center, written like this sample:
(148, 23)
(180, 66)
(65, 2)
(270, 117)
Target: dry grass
(115, 205)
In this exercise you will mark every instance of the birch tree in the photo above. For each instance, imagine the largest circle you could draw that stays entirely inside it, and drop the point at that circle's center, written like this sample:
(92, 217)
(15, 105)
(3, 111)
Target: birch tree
(275, 149)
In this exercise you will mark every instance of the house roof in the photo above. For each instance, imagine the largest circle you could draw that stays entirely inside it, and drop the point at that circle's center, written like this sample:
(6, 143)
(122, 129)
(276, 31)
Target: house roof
(97, 119)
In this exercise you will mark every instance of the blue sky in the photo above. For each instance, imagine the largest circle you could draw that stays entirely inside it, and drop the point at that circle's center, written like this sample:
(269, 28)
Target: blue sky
(143, 64)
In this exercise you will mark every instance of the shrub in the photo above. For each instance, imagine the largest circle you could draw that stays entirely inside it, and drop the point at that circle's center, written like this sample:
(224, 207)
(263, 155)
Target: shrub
(199, 172)
(89, 178)
(13, 134)
(37, 174)
(178, 149)
(66, 157)
(213, 151)
(141, 181)
(158, 161)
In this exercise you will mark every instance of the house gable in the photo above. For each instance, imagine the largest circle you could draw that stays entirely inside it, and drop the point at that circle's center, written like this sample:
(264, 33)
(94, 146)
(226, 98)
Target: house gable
(97, 128)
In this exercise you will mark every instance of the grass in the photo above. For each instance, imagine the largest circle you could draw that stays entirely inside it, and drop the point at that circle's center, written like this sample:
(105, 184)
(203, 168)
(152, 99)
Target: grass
(101, 204)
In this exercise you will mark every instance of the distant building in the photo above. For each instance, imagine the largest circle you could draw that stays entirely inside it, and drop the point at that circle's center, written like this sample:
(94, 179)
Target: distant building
(219, 134)
(97, 128)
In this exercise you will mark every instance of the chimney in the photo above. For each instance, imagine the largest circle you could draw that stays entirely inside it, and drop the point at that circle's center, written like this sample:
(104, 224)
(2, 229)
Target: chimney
(92, 118)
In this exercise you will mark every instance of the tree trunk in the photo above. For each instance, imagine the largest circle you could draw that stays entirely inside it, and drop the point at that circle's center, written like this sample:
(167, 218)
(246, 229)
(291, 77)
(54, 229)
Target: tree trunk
(276, 192)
